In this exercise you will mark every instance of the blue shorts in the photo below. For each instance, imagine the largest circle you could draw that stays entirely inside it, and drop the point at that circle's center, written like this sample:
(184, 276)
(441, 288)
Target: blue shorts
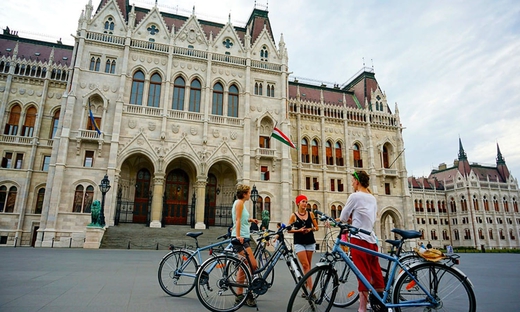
(300, 247)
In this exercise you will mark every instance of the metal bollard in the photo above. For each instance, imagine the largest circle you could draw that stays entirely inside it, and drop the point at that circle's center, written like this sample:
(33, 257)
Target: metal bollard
(70, 242)
(157, 247)
(52, 244)
(128, 245)
(15, 240)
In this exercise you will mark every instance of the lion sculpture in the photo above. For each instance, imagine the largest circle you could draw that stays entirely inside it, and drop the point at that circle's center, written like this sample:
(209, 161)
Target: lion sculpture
(95, 210)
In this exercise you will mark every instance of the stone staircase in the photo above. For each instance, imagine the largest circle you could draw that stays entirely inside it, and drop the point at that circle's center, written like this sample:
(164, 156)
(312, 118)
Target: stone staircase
(139, 236)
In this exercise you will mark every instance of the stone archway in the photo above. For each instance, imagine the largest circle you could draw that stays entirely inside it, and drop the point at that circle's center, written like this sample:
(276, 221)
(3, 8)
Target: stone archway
(390, 219)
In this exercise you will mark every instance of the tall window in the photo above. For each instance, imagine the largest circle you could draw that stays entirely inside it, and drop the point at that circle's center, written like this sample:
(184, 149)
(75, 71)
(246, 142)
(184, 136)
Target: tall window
(339, 154)
(233, 101)
(386, 163)
(113, 67)
(7, 160)
(486, 203)
(495, 203)
(178, 93)
(154, 92)
(506, 204)
(83, 199)
(55, 121)
(30, 120)
(136, 94)
(39, 201)
(218, 96)
(358, 162)
(264, 173)
(305, 151)
(109, 25)
(3, 197)
(46, 162)
(98, 64)
(264, 54)
(11, 128)
(195, 91)
(453, 205)
(11, 199)
(328, 153)
(107, 66)
(19, 161)
(315, 152)
(89, 159)
(258, 88)
(475, 202)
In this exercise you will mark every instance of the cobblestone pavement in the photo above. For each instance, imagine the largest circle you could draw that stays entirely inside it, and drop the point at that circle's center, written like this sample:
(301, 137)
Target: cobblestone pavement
(53, 279)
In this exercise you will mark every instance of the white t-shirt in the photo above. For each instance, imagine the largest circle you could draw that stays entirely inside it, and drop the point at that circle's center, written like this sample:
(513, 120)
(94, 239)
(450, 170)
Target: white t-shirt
(363, 208)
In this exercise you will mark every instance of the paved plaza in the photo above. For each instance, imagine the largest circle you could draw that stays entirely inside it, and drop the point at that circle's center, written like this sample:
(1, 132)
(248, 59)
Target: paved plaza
(52, 279)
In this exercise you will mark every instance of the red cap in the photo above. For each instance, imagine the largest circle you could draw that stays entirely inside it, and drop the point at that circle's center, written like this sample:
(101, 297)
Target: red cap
(299, 198)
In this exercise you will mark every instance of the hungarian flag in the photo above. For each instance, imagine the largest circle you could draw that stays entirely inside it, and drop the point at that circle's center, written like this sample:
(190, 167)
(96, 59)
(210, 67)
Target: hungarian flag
(280, 136)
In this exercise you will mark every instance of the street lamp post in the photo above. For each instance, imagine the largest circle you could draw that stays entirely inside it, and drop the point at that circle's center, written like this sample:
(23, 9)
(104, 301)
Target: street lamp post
(254, 198)
(104, 187)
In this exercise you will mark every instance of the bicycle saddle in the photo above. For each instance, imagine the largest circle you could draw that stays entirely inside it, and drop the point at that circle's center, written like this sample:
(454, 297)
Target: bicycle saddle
(407, 233)
(194, 234)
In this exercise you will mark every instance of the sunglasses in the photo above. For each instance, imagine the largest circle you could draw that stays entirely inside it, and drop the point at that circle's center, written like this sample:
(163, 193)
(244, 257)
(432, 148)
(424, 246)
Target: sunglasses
(356, 176)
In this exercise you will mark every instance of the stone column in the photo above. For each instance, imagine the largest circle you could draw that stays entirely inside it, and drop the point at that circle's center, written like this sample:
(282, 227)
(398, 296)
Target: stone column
(200, 191)
(157, 200)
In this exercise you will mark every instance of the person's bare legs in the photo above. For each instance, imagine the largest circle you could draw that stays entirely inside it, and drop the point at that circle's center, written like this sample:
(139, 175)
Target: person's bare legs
(363, 300)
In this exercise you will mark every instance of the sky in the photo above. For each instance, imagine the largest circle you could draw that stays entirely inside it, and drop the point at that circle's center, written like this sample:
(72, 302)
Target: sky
(452, 66)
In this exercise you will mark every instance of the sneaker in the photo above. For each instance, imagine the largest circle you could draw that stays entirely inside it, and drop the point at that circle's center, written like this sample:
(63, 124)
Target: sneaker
(250, 301)
(239, 298)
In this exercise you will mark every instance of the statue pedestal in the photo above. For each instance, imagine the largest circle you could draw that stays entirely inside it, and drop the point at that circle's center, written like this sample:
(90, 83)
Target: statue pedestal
(93, 237)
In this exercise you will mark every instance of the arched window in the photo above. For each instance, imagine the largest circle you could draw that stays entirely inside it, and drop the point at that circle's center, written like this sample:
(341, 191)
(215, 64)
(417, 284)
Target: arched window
(486, 203)
(445, 235)
(39, 201)
(109, 26)
(495, 203)
(92, 63)
(511, 235)
(453, 205)
(258, 88)
(475, 202)
(480, 234)
(315, 152)
(3, 197)
(233, 101)
(463, 204)
(78, 199)
(107, 66)
(467, 234)
(83, 199)
(178, 93)
(456, 234)
(154, 92)
(339, 154)
(433, 235)
(305, 151)
(515, 205)
(136, 94)
(11, 199)
(113, 67)
(490, 233)
(506, 204)
(30, 120)
(328, 153)
(272, 90)
(416, 205)
(333, 211)
(358, 162)
(218, 97)
(89, 197)
(195, 91)
(264, 54)
(386, 163)
(55, 122)
(421, 208)
(98, 64)
(11, 128)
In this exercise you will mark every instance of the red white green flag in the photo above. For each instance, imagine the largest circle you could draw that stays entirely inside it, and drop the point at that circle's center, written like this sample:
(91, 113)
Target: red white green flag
(280, 136)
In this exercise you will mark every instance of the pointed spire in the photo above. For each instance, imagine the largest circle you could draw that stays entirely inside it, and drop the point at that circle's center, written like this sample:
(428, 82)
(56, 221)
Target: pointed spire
(396, 109)
(500, 158)
(193, 12)
(15, 52)
(88, 10)
(462, 154)
(51, 57)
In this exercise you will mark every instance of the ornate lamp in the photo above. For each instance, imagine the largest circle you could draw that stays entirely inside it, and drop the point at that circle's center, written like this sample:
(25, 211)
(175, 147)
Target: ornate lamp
(104, 187)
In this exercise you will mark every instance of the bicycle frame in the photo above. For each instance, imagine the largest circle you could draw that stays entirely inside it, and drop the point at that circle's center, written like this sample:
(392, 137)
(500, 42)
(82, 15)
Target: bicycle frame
(197, 255)
(430, 301)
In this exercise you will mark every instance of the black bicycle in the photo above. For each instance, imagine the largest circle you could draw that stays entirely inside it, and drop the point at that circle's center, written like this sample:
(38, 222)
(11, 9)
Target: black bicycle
(222, 280)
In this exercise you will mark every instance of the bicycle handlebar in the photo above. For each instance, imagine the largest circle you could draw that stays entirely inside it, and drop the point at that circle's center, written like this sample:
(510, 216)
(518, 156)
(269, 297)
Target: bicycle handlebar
(352, 229)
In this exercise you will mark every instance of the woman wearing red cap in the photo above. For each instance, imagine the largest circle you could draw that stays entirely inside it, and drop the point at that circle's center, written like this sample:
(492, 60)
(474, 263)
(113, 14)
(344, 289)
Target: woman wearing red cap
(304, 226)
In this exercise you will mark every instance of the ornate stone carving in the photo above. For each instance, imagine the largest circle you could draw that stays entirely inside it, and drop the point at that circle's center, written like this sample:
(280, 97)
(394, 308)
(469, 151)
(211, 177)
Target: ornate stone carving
(216, 133)
(132, 123)
(151, 126)
(193, 130)
(175, 128)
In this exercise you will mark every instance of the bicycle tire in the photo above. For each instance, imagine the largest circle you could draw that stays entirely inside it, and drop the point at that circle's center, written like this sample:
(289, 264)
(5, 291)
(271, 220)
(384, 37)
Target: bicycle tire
(347, 293)
(449, 286)
(321, 296)
(411, 259)
(216, 283)
(328, 241)
(171, 279)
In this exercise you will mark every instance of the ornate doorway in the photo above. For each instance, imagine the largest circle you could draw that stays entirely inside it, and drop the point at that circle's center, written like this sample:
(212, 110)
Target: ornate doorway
(175, 210)
(142, 196)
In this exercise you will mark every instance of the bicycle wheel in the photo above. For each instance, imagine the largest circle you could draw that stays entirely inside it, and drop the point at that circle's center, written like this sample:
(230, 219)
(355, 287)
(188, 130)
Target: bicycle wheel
(347, 292)
(321, 296)
(262, 260)
(177, 273)
(328, 241)
(219, 282)
(450, 287)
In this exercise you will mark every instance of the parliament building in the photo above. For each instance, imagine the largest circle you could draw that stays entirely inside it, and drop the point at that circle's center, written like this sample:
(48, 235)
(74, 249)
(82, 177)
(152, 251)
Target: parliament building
(176, 111)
